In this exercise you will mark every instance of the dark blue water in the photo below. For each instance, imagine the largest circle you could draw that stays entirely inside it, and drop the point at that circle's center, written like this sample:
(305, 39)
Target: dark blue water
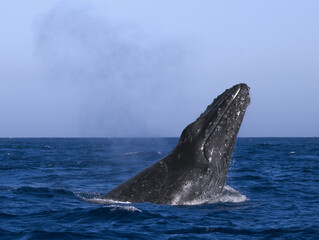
(49, 189)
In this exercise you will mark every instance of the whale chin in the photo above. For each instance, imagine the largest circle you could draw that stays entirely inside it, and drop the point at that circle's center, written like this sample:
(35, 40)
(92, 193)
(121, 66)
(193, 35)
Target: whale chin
(196, 169)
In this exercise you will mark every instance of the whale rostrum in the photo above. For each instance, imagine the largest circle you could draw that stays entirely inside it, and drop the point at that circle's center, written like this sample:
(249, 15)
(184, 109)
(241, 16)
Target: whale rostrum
(196, 169)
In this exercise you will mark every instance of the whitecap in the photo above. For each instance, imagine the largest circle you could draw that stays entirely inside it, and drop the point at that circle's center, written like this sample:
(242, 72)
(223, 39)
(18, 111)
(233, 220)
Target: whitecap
(231, 195)
(228, 195)
(96, 198)
(130, 153)
(47, 147)
(126, 208)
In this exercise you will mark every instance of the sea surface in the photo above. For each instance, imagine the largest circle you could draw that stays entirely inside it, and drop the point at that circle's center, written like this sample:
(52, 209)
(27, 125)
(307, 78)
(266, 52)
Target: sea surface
(51, 188)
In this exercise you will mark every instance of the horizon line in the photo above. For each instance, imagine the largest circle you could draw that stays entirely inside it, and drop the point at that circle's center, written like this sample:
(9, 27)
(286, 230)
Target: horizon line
(156, 137)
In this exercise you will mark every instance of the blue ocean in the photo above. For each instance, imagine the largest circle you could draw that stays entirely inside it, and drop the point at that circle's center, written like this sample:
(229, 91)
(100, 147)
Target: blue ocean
(51, 188)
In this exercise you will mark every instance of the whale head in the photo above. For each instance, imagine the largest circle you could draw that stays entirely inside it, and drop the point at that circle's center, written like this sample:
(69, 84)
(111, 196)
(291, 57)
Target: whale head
(209, 141)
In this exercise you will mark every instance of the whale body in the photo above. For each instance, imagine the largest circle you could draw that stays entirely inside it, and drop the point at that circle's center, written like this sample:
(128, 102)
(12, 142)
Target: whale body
(196, 169)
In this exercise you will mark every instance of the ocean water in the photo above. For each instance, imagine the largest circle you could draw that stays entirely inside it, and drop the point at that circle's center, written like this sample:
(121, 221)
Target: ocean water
(50, 188)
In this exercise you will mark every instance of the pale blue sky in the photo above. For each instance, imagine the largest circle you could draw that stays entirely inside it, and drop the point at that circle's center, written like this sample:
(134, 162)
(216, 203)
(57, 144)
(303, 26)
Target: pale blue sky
(148, 68)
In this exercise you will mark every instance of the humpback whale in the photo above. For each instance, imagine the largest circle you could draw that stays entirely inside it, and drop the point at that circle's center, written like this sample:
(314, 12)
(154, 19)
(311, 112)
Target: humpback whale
(196, 169)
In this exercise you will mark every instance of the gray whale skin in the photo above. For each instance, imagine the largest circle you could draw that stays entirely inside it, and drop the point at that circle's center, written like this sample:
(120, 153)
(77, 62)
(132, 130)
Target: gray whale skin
(196, 169)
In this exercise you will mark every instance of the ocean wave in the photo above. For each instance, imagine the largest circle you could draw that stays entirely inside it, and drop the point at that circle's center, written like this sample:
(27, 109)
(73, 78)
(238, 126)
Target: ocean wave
(42, 190)
(6, 216)
(269, 232)
(65, 200)
(306, 157)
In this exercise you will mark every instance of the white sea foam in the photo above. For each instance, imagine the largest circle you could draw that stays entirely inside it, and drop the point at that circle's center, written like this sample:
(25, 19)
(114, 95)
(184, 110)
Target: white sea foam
(130, 153)
(92, 198)
(126, 208)
(232, 196)
(96, 198)
(228, 195)
(106, 201)
(47, 147)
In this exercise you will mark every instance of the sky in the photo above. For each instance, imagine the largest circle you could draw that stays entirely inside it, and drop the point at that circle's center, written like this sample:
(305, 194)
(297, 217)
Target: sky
(147, 68)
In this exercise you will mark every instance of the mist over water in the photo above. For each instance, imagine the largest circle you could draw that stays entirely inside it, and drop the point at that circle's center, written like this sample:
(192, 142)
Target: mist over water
(82, 68)
(129, 80)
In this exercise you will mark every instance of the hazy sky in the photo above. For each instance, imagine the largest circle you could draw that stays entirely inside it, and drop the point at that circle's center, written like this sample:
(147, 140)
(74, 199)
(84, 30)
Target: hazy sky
(149, 68)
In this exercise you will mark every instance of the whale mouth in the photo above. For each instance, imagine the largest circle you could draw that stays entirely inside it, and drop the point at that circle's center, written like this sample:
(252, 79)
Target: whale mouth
(224, 116)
